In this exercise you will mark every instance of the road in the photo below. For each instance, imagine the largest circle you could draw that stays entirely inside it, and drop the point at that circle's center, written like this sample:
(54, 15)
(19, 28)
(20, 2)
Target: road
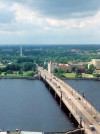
(79, 107)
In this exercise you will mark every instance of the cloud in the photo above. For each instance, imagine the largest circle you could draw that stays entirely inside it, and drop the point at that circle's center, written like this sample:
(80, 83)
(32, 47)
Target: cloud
(49, 20)
(28, 15)
(61, 9)
(6, 15)
(64, 9)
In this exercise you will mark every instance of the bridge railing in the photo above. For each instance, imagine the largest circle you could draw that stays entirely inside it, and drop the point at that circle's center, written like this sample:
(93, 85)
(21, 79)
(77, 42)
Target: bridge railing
(83, 108)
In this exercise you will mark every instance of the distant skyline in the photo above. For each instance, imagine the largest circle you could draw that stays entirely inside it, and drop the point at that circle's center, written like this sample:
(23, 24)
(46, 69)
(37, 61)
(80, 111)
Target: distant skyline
(49, 22)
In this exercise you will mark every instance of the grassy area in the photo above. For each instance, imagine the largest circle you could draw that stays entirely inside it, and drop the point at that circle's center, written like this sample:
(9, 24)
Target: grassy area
(69, 75)
(26, 75)
(72, 75)
(87, 75)
(16, 74)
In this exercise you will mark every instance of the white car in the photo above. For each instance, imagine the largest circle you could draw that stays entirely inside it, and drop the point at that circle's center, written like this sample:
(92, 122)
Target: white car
(91, 127)
(69, 98)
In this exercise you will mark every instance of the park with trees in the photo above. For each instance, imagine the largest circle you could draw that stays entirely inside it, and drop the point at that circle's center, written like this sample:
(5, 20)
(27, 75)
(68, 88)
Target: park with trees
(12, 64)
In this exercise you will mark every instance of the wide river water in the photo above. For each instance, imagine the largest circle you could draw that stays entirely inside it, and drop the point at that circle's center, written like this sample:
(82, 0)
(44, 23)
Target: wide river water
(90, 88)
(29, 106)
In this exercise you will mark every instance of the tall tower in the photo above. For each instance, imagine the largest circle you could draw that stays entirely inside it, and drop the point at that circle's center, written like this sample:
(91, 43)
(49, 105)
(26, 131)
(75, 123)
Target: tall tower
(21, 51)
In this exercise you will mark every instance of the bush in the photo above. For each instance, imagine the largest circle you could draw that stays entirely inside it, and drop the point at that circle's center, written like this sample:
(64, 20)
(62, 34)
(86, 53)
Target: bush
(5, 73)
(21, 72)
(78, 75)
(96, 75)
(31, 74)
(10, 72)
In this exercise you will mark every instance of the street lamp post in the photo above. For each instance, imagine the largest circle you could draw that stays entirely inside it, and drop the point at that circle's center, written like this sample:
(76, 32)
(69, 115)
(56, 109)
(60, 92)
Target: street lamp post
(83, 94)
(80, 121)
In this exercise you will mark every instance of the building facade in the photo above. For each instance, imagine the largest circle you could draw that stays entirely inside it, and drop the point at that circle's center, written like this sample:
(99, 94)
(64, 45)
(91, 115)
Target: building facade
(96, 63)
(52, 66)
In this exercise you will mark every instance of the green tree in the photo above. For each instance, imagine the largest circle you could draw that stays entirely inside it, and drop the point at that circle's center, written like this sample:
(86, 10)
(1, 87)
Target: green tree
(56, 70)
(24, 59)
(31, 74)
(10, 72)
(78, 75)
(91, 69)
(96, 75)
(21, 72)
(13, 67)
(28, 66)
(5, 73)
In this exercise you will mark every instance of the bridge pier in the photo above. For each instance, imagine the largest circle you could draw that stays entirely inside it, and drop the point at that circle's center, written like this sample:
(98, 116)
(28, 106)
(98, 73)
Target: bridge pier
(40, 78)
(70, 115)
(49, 88)
(55, 95)
(61, 99)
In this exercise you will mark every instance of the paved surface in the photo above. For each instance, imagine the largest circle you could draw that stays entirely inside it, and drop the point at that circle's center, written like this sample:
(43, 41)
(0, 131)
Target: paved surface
(81, 109)
(28, 132)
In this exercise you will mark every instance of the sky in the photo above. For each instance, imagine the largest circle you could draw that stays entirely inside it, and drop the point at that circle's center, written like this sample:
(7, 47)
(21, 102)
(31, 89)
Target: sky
(49, 21)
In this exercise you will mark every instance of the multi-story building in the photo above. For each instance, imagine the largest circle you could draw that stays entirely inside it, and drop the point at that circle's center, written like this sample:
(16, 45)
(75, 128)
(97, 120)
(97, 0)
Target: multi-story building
(78, 64)
(96, 63)
(52, 66)
(65, 67)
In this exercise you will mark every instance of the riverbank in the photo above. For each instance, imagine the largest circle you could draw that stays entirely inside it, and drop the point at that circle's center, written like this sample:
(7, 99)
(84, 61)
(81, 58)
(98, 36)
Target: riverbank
(37, 77)
(72, 76)
(96, 79)
(19, 77)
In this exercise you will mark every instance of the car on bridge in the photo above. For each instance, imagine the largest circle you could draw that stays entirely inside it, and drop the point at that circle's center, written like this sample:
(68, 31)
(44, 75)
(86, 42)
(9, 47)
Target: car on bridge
(91, 127)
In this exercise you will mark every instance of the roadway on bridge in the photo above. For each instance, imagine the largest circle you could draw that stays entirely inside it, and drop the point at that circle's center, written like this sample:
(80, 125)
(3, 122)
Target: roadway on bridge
(81, 109)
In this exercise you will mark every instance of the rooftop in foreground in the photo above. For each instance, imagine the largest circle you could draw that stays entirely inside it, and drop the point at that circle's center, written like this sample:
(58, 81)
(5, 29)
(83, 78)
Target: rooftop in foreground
(76, 131)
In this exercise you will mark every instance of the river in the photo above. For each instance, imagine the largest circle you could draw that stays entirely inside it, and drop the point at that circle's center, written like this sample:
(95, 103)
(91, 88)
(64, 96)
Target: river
(29, 106)
(90, 88)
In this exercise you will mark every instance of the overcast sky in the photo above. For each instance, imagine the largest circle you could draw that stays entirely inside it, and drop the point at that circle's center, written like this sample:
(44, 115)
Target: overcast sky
(50, 21)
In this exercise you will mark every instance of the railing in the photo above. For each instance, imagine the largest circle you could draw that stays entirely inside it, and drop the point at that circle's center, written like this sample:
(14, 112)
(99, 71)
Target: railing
(81, 109)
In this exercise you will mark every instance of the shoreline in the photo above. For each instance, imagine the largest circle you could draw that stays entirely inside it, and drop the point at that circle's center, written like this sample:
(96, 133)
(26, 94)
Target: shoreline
(95, 79)
(16, 77)
(37, 77)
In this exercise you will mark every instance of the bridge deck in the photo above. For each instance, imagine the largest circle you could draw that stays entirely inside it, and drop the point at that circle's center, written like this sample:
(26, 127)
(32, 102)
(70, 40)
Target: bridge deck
(79, 107)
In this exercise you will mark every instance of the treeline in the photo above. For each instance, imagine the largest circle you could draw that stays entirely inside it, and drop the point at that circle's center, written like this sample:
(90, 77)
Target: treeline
(41, 54)
(20, 65)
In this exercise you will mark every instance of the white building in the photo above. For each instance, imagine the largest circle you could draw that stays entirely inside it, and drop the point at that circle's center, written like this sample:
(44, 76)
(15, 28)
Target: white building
(96, 63)
(52, 66)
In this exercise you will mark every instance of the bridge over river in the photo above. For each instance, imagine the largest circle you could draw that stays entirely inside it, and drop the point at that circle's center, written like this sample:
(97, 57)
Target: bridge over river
(84, 113)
